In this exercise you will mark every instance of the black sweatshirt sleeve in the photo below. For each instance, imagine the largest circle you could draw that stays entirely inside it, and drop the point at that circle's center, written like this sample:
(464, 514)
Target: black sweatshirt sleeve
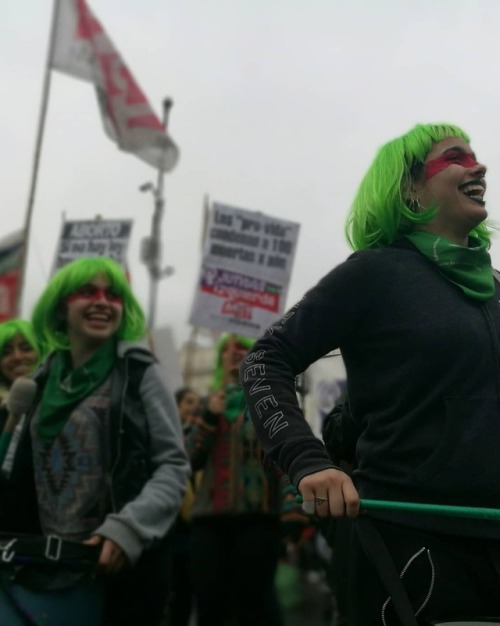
(325, 319)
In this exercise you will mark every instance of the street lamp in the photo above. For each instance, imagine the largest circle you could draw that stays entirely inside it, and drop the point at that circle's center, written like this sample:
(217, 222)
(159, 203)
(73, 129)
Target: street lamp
(151, 247)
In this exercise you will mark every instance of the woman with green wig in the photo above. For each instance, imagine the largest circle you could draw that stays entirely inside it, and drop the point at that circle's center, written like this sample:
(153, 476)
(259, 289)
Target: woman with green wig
(19, 352)
(101, 461)
(415, 312)
(239, 507)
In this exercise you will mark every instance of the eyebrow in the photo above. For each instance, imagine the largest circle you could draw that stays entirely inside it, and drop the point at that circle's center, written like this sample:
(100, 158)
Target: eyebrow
(459, 149)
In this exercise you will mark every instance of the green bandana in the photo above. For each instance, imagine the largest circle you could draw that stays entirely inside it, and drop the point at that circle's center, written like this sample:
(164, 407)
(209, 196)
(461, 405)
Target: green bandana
(235, 402)
(467, 267)
(66, 388)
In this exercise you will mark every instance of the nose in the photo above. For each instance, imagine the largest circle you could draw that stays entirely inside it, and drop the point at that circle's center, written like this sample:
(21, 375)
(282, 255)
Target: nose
(17, 355)
(101, 296)
(479, 170)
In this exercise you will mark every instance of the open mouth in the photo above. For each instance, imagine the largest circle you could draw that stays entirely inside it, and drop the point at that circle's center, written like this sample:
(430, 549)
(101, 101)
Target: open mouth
(475, 190)
(98, 319)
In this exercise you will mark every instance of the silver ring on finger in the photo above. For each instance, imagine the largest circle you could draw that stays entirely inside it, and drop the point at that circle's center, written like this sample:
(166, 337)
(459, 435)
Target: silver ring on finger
(319, 501)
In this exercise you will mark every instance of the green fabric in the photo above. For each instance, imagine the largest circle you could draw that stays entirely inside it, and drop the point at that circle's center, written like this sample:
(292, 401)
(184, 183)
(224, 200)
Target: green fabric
(467, 267)
(66, 388)
(235, 402)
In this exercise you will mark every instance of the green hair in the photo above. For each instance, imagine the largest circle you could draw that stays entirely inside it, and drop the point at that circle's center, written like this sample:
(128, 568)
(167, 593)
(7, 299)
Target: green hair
(50, 328)
(11, 328)
(219, 349)
(380, 211)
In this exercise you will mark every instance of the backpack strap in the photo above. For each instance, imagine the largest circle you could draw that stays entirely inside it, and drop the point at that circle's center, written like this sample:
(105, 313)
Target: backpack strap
(377, 552)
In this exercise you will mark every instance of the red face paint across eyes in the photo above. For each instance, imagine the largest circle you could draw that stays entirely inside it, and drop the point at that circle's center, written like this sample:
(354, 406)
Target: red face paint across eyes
(454, 157)
(94, 294)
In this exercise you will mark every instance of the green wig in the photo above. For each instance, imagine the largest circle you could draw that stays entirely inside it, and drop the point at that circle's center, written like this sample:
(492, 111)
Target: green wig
(246, 342)
(380, 212)
(48, 322)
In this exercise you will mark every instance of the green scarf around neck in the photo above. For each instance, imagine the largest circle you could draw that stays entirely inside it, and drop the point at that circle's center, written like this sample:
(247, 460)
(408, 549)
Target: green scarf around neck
(467, 267)
(66, 387)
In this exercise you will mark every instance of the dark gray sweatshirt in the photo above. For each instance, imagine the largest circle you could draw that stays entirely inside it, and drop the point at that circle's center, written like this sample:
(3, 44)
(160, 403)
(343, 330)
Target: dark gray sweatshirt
(423, 369)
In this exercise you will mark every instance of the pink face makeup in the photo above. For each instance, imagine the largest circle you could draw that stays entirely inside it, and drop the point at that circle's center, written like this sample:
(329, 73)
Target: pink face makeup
(94, 294)
(451, 157)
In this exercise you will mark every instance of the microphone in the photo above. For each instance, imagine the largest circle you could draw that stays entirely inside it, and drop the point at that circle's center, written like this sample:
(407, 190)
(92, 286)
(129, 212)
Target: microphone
(21, 396)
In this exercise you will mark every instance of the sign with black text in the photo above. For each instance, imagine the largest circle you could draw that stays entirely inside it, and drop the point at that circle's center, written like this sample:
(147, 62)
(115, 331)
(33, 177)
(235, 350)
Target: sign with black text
(88, 238)
(245, 272)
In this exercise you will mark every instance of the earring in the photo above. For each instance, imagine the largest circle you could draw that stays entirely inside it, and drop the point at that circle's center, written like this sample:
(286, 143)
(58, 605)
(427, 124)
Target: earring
(415, 205)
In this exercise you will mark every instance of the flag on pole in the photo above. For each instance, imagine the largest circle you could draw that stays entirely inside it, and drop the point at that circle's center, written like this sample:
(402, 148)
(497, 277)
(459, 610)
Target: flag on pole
(82, 48)
(11, 252)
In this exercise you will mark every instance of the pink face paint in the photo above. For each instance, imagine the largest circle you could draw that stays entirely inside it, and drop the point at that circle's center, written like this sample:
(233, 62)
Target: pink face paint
(92, 293)
(453, 157)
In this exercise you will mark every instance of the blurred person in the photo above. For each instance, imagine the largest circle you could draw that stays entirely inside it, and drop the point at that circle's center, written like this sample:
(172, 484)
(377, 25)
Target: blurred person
(239, 506)
(101, 460)
(415, 314)
(181, 599)
(19, 354)
(189, 405)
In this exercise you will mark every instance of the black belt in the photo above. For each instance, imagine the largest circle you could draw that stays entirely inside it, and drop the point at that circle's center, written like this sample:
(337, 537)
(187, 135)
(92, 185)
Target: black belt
(50, 548)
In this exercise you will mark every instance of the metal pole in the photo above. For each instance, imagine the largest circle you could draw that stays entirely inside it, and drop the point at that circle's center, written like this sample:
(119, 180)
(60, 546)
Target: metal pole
(36, 157)
(154, 266)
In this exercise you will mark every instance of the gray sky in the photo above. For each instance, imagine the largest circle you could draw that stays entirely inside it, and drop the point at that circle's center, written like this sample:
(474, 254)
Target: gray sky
(280, 106)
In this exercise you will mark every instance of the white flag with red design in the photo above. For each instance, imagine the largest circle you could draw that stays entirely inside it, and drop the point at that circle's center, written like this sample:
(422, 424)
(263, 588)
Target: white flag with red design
(81, 48)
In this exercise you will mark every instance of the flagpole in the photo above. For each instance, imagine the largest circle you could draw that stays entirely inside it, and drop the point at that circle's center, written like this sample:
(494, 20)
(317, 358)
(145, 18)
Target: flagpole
(36, 157)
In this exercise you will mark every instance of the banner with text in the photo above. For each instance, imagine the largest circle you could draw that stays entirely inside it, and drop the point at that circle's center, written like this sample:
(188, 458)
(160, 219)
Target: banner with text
(245, 271)
(93, 238)
(11, 253)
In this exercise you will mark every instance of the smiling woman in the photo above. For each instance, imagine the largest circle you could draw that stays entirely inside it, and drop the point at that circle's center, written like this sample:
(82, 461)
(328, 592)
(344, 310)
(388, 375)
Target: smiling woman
(415, 314)
(101, 459)
(19, 351)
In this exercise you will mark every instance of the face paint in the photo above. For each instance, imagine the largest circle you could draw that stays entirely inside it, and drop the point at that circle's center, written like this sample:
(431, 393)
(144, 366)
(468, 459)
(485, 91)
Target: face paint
(454, 157)
(92, 293)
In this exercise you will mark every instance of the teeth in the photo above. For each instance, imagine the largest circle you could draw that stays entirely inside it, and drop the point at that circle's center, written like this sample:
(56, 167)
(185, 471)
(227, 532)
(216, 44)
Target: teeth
(473, 190)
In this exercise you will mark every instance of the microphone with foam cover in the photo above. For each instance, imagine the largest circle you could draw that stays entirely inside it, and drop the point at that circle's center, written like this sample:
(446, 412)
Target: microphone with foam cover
(20, 398)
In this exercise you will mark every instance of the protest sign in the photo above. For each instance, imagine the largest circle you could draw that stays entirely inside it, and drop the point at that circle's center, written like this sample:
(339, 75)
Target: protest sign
(245, 271)
(89, 238)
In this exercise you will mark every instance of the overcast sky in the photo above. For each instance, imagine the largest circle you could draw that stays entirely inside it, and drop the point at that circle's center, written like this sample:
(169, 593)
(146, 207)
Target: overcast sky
(279, 107)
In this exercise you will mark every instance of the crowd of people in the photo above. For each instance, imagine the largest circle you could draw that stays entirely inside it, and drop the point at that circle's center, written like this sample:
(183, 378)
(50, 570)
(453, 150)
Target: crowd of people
(123, 501)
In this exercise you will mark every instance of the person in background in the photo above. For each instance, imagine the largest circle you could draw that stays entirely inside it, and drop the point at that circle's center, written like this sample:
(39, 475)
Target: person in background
(19, 354)
(237, 514)
(181, 601)
(101, 455)
(415, 313)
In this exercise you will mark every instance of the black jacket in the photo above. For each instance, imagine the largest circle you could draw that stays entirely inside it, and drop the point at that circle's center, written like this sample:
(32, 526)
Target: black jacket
(423, 370)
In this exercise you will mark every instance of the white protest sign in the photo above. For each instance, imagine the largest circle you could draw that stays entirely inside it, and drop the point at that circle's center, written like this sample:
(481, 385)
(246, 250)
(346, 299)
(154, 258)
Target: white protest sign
(88, 238)
(245, 272)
